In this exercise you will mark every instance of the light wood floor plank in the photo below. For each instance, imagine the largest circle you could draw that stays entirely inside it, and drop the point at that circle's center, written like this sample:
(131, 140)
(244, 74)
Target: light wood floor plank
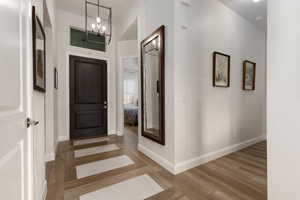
(238, 176)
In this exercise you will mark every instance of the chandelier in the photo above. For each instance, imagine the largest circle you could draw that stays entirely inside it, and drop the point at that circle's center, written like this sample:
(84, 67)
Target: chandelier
(98, 21)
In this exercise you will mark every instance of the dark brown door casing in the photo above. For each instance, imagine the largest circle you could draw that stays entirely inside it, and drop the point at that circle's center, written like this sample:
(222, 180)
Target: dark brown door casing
(88, 97)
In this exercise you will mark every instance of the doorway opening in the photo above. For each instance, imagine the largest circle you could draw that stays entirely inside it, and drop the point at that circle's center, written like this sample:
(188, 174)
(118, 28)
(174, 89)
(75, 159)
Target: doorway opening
(128, 84)
(130, 95)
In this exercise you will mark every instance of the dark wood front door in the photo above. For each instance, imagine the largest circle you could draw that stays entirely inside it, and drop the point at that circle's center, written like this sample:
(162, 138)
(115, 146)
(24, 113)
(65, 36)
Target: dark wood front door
(88, 97)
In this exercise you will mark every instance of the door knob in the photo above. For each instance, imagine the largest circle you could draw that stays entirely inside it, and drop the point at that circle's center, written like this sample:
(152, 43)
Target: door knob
(30, 122)
(105, 107)
(105, 102)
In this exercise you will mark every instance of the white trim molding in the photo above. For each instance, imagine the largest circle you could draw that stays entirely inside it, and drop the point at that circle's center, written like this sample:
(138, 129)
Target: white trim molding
(157, 158)
(112, 132)
(194, 162)
(49, 157)
(63, 138)
(45, 191)
(119, 133)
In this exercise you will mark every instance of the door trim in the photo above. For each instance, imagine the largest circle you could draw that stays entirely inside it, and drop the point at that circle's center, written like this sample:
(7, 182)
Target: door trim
(68, 91)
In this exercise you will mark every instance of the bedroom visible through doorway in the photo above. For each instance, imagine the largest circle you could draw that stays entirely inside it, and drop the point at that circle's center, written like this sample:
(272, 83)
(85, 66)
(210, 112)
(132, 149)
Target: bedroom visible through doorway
(130, 98)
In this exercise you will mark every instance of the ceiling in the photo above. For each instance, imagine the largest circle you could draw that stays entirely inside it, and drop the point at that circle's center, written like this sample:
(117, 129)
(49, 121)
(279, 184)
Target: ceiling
(256, 13)
(78, 6)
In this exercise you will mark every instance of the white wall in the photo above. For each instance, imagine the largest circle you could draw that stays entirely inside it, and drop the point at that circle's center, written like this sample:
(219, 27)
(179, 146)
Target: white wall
(124, 49)
(51, 93)
(283, 99)
(50, 100)
(151, 15)
(128, 18)
(44, 138)
(38, 102)
(213, 121)
(128, 48)
(65, 20)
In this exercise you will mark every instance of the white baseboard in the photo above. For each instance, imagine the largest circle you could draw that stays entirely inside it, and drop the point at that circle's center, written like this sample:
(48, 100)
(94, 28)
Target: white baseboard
(119, 133)
(112, 132)
(45, 190)
(63, 138)
(194, 162)
(49, 157)
(157, 158)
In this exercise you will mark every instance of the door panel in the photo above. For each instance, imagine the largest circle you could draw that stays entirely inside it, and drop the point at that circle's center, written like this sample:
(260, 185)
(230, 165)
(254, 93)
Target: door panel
(88, 97)
(11, 184)
(10, 46)
(87, 83)
(15, 153)
(88, 119)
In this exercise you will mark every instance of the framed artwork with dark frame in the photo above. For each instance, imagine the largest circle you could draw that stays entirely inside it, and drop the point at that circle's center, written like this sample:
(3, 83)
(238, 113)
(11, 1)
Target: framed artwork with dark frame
(55, 78)
(249, 73)
(39, 54)
(221, 70)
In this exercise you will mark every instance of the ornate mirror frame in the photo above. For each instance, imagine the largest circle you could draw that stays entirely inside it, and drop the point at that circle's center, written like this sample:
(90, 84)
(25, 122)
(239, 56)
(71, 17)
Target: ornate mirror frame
(159, 33)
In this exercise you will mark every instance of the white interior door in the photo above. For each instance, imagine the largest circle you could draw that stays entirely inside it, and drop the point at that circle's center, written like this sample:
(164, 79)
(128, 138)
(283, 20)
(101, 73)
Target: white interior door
(15, 89)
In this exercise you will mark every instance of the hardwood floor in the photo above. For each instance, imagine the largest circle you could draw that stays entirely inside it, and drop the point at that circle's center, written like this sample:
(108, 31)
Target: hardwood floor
(241, 175)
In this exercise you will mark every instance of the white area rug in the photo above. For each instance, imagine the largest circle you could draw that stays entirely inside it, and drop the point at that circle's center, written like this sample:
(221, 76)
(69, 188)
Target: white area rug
(89, 141)
(137, 188)
(102, 166)
(95, 150)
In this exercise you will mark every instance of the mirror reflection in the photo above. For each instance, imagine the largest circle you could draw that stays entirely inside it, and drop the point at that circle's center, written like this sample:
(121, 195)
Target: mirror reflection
(151, 87)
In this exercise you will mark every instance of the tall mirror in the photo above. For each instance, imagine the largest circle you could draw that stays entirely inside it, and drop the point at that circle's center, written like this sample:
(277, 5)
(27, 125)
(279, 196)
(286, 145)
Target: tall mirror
(153, 64)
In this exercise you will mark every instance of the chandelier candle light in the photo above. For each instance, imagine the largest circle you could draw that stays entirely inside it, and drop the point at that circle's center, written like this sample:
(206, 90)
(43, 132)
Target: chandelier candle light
(101, 26)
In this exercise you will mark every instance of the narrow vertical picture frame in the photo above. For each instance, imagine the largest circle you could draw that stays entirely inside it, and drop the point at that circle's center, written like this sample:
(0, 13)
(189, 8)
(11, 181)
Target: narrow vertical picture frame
(39, 53)
(55, 78)
(249, 75)
(221, 70)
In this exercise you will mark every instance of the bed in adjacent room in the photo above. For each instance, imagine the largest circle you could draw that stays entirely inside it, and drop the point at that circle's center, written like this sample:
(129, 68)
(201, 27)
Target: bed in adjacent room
(131, 114)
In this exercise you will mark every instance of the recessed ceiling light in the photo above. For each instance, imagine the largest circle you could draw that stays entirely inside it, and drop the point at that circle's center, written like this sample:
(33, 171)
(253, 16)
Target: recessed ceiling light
(256, 1)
